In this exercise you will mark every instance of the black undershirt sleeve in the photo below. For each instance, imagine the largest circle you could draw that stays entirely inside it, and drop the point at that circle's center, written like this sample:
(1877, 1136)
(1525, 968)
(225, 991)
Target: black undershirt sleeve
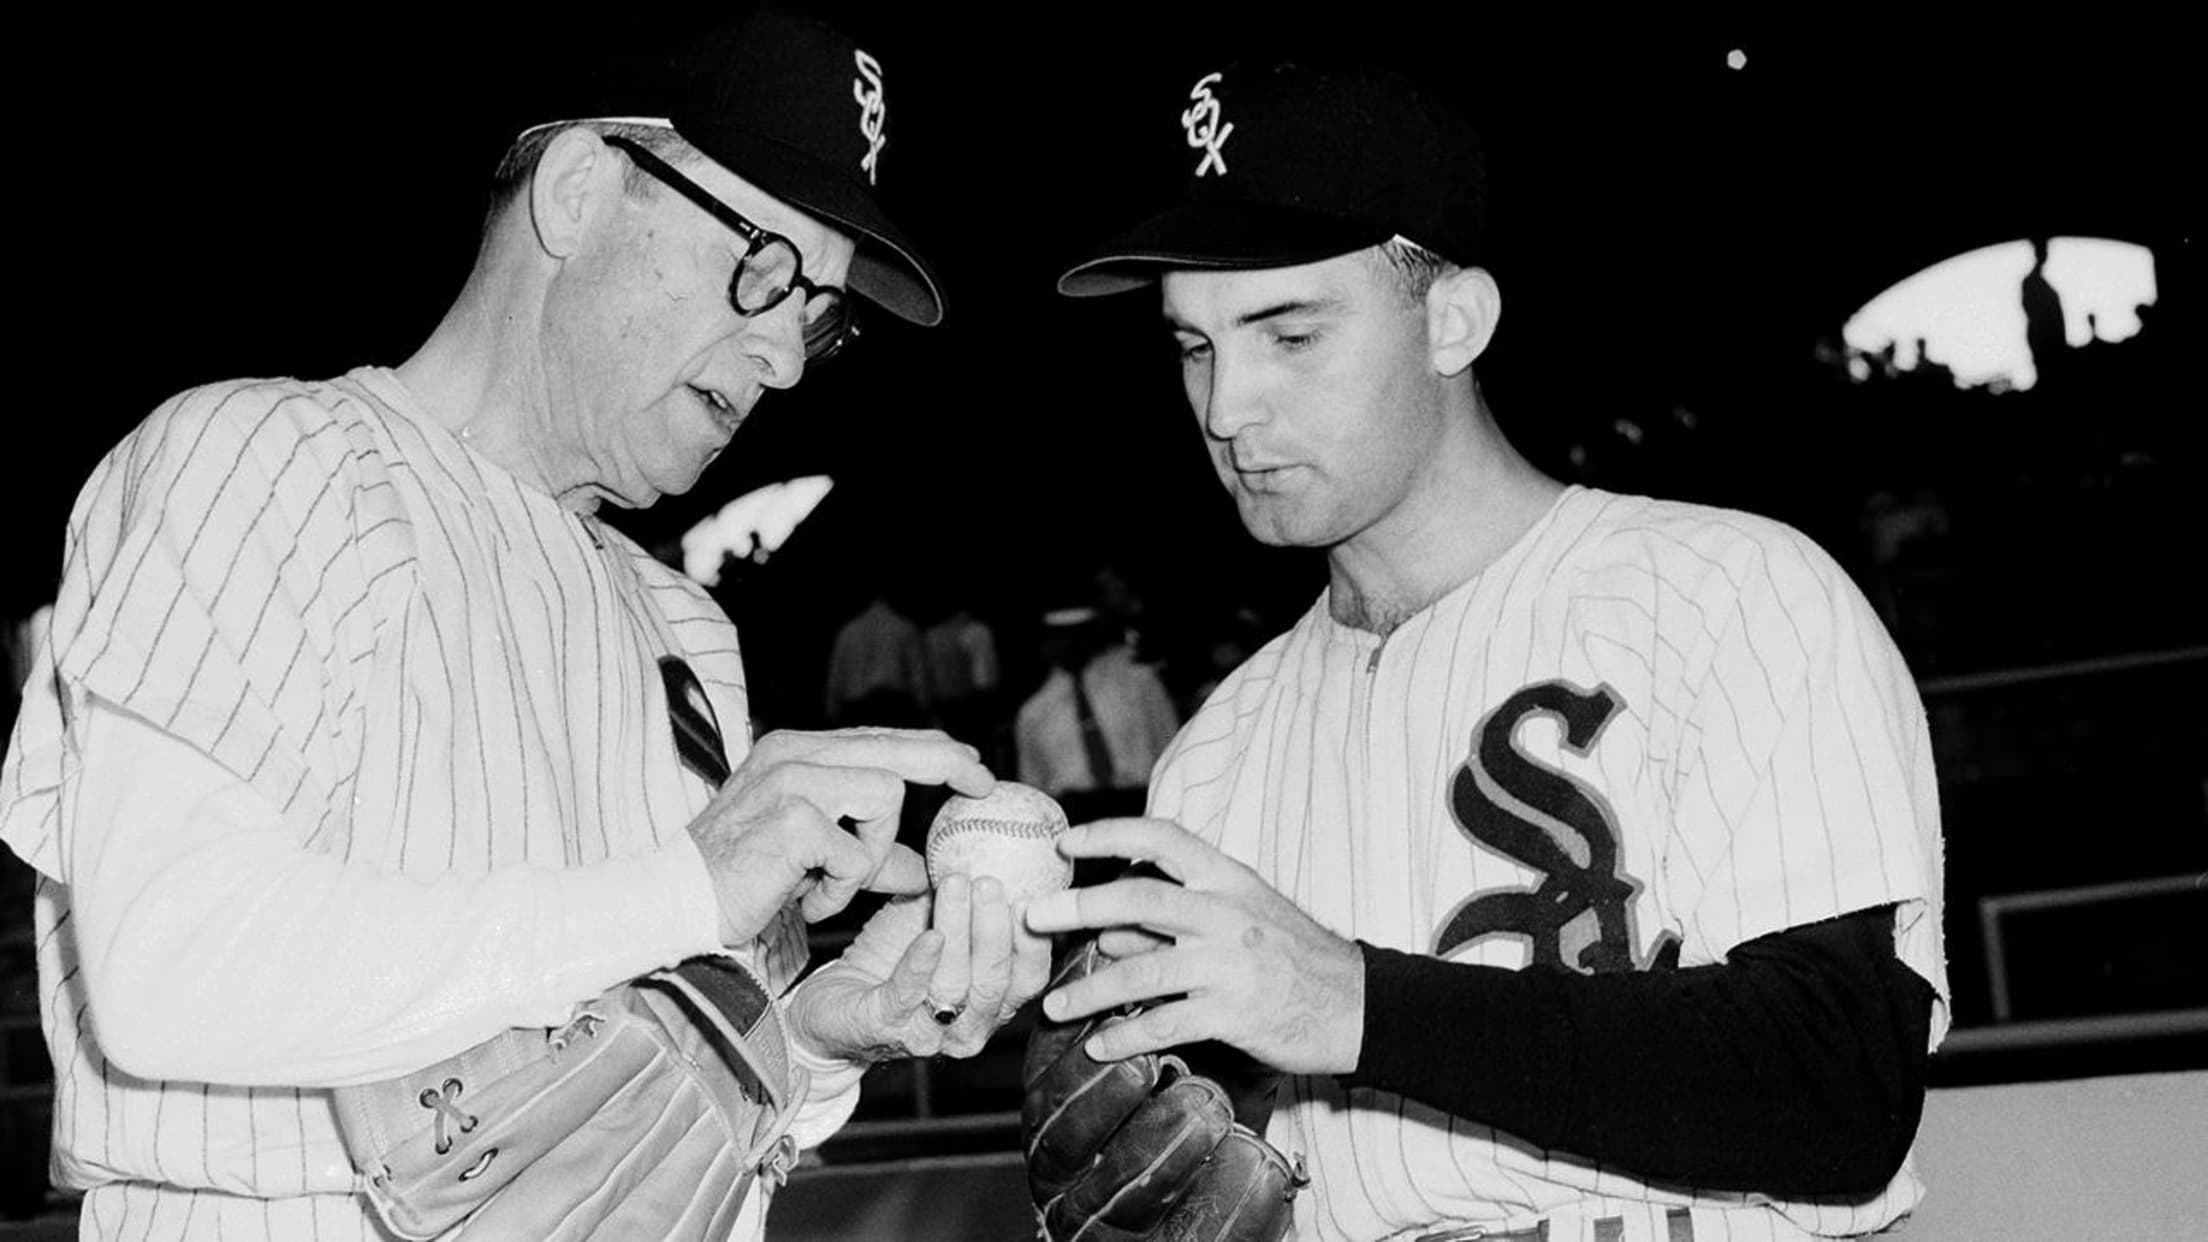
(1795, 1068)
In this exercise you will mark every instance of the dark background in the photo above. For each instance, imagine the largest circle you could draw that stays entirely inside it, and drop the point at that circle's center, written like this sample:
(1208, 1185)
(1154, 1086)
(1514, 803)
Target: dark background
(210, 196)
(298, 195)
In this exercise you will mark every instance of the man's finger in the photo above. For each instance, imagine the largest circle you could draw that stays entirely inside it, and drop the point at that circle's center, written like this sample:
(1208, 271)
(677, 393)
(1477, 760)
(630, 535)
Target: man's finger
(921, 756)
(990, 975)
(902, 873)
(867, 796)
(844, 865)
(846, 861)
(948, 985)
(878, 831)
(1155, 905)
(906, 989)
(888, 934)
(1030, 970)
(1128, 941)
(1175, 851)
(879, 834)
(1149, 977)
(1152, 1030)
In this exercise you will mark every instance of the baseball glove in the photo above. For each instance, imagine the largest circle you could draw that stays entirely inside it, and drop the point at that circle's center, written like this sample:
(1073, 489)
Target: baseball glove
(1158, 1146)
(651, 1114)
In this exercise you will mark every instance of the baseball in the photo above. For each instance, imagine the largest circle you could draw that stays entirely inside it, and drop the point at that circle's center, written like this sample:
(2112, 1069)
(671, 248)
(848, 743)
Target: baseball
(1012, 834)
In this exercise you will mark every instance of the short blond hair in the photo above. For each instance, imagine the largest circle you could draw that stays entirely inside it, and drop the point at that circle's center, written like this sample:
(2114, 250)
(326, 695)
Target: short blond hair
(1414, 267)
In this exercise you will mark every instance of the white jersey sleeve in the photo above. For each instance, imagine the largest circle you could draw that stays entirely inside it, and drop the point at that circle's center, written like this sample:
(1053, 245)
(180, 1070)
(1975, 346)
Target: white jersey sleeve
(217, 950)
(1804, 780)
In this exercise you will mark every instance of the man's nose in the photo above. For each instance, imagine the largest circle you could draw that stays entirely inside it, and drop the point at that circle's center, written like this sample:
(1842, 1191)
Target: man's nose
(773, 341)
(1233, 398)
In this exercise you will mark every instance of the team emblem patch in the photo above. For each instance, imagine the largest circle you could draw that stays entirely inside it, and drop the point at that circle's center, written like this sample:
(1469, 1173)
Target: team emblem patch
(1205, 133)
(866, 89)
(1579, 915)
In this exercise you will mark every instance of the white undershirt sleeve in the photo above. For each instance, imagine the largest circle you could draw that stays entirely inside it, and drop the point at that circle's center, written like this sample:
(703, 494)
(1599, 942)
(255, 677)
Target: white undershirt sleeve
(216, 949)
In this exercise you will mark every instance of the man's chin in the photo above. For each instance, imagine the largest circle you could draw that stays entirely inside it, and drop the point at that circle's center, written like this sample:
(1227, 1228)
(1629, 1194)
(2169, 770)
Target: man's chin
(676, 482)
(1272, 525)
(637, 495)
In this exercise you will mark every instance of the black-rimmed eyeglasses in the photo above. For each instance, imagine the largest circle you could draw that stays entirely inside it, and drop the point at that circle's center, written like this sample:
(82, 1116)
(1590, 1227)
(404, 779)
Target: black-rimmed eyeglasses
(768, 270)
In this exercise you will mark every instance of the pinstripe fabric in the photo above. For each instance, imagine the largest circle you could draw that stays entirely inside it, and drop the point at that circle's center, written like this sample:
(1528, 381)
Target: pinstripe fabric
(1767, 765)
(421, 663)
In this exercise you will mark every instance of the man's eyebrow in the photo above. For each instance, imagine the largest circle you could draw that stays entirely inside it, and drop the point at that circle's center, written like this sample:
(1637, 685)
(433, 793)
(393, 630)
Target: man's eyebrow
(1293, 308)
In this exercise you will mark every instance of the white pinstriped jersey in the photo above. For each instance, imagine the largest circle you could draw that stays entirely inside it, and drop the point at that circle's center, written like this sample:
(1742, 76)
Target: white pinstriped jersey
(420, 662)
(1683, 724)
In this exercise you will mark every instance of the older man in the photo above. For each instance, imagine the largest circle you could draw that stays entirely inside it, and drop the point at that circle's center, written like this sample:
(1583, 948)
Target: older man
(360, 738)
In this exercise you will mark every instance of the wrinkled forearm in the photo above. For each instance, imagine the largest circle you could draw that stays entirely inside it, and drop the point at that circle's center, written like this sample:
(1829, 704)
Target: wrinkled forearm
(216, 949)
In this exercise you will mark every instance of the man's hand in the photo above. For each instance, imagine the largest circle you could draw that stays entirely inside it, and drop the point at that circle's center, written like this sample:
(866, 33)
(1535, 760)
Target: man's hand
(954, 947)
(775, 830)
(1243, 965)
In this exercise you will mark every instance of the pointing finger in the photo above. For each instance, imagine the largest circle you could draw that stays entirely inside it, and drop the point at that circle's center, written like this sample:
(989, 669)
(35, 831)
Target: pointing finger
(870, 797)
(921, 756)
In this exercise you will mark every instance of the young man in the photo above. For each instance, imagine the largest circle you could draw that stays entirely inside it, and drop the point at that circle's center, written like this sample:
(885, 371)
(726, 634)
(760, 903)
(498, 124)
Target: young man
(1577, 854)
(359, 739)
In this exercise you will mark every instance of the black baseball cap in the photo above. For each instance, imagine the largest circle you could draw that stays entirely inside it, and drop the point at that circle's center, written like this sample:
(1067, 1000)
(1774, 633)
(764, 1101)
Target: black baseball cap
(792, 105)
(1295, 161)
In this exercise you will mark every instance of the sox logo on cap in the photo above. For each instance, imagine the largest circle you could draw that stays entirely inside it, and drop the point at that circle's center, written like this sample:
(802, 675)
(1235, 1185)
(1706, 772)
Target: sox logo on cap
(1201, 120)
(873, 111)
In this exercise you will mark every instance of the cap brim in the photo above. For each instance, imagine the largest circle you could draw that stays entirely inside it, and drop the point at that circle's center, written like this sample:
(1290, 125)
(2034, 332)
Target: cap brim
(1219, 235)
(886, 269)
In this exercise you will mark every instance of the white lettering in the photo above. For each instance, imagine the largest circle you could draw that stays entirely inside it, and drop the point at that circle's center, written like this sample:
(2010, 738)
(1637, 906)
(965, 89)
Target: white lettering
(1202, 123)
(873, 112)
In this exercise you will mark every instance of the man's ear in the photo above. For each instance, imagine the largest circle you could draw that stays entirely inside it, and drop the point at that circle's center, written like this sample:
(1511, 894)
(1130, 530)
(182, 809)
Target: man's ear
(1461, 309)
(568, 186)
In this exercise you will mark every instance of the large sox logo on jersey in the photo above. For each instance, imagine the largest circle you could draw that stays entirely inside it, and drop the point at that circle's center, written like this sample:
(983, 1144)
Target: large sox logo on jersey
(1580, 915)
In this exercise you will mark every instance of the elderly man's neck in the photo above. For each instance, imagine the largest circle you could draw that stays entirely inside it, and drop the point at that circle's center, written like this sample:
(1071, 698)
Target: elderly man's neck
(479, 375)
